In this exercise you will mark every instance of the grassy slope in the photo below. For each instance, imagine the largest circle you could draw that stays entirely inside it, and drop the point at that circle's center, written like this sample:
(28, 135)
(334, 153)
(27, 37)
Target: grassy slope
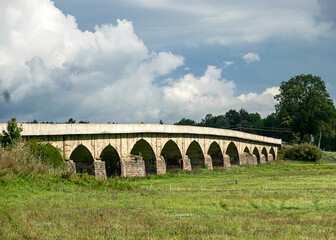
(286, 200)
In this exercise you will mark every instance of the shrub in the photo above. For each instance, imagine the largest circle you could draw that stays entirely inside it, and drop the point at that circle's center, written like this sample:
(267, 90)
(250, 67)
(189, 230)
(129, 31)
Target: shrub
(47, 153)
(19, 159)
(302, 152)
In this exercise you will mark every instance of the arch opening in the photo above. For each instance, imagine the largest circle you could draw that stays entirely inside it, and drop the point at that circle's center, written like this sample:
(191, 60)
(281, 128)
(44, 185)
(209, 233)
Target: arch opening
(172, 155)
(256, 153)
(195, 154)
(232, 151)
(216, 155)
(112, 161)
(246, 150)
(144, 150)
(83, 160)
(272, 153)
(264, 152)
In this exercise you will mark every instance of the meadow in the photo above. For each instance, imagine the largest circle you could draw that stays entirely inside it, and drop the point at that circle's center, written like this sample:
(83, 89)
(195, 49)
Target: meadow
(279, 200)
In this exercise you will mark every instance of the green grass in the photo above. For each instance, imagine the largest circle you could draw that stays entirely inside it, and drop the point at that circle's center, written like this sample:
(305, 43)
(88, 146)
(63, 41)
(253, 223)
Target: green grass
(282, 200)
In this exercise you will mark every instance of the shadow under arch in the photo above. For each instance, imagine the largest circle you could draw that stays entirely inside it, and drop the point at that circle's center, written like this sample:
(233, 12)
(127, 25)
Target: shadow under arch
(83, 160)
(143, 149)
(264, 152)
(195, 154)
(172, 155)
(256, 153)
(247, 150)
(272, 153)
(112, 161)
(216, 155)
(232, 151)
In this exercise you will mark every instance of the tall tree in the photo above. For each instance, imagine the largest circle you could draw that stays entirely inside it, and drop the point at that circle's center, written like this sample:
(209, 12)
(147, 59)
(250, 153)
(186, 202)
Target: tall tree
(305, 106)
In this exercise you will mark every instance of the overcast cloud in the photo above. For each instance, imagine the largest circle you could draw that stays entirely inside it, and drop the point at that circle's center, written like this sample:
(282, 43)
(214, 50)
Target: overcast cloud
(51, 70)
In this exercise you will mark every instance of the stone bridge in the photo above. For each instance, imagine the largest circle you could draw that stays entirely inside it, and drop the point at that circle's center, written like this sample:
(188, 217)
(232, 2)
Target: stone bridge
(134, 150)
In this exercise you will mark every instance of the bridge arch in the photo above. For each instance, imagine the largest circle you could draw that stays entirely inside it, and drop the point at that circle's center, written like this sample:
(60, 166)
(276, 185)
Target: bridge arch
(232, 151)
(256, 154)
(195, 154)
(144, 150)
(216, 154)
(264, 153)
(112, 161)
(172, 156)
(83, 160)
(247, 150)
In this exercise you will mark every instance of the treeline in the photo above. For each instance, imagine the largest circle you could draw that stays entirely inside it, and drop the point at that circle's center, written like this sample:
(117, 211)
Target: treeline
(269, 126)
(242, 121)
(71, 120)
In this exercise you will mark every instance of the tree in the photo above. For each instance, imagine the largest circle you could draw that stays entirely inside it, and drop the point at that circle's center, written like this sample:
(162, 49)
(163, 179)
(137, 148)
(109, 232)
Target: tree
(71, 120)
(13, 133)
(185, 121)
(304, 105)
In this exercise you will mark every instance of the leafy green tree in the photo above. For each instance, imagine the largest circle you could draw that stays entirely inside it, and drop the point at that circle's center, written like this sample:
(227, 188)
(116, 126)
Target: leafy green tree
(13, 133)
(233, 116)
(185, 121)
(304, 105)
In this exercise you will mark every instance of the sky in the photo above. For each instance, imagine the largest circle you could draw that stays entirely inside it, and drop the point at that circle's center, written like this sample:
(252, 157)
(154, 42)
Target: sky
(136, 61)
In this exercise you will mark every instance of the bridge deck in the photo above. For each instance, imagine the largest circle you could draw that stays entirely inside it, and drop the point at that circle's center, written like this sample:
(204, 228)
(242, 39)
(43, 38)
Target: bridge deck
(78, 129)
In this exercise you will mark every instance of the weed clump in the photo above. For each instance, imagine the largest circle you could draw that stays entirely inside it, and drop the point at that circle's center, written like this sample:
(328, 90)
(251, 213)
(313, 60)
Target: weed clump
(302, 152)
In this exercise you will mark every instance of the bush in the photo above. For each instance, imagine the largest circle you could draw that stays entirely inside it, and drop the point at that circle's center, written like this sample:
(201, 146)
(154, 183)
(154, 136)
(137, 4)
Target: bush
(302, 152)
(19, 159)
(47, 153)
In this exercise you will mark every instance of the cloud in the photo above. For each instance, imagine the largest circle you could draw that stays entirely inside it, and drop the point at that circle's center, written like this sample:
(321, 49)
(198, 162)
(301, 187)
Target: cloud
(196, 96)
(251, 57)
(53, 71)
(237, 22)
(228, 63)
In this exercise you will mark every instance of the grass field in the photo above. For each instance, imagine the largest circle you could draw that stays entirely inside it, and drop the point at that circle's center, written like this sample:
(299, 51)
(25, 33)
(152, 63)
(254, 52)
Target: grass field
(283, 200)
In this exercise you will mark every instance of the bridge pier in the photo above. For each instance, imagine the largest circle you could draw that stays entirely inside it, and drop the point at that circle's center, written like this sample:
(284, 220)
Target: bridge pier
(226, 159)
(262, 159)
(160, 165)
(132, 166)
(99, 169)
(270, 157)
(186, 163)
(208, 161)
(70, 166)
(247, 158)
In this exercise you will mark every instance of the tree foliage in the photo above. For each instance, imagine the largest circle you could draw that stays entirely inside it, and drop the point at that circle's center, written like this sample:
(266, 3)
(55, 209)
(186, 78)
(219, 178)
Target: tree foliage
(12, 134)
(304, 105)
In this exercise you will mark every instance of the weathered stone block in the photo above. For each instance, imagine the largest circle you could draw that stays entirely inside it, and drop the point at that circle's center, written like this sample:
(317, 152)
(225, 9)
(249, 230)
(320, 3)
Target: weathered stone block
(161, 165)
(186, 163)
(70, 166)
(133, 166)
(208, 161)
(99, 169)
(226, 160)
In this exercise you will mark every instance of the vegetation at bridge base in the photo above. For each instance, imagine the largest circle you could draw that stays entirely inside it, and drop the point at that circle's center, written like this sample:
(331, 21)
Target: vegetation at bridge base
(302, 152)
(47, 153)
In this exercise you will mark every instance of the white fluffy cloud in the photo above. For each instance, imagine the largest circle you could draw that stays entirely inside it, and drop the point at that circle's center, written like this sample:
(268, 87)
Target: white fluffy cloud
(251, 57)
(54, 71)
